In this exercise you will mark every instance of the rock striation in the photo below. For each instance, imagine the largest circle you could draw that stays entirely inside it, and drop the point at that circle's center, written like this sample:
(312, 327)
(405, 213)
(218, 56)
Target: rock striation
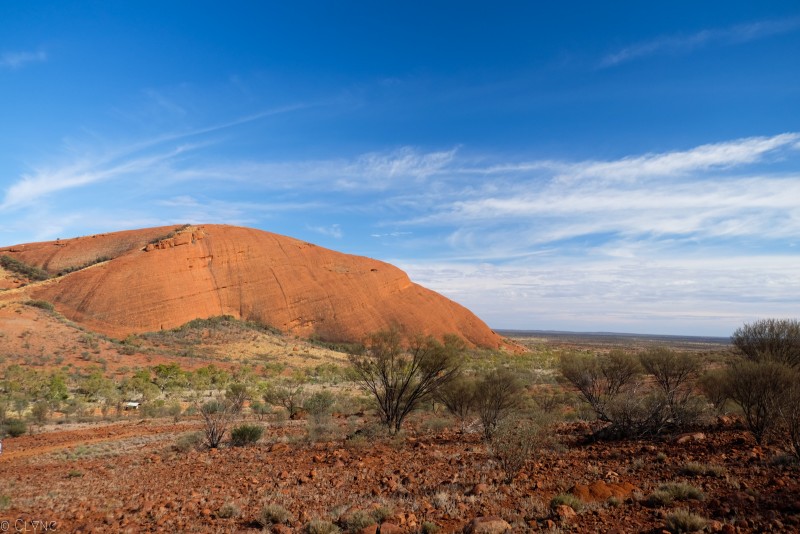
(161, 278)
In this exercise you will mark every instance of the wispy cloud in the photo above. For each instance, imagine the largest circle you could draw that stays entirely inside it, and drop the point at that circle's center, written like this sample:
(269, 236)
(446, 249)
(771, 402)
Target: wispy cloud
(372, 172)
(333, 230)
(15, 60)
(45, 181)
(141, 158)
(681, 44)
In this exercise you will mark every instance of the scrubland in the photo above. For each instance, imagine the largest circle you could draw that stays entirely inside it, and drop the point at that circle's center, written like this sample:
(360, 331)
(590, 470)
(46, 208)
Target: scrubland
(241, 429)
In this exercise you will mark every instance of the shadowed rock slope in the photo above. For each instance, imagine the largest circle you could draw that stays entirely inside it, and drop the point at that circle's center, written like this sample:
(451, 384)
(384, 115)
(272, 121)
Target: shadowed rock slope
(160, 278)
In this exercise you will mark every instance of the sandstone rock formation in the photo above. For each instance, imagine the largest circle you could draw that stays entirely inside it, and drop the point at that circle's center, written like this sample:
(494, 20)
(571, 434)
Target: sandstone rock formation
(160, 278)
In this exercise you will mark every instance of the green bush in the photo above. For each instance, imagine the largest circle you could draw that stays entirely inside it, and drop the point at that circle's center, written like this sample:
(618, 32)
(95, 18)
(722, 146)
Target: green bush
(41, 304)
(682, 520)
(358, 520)
(16, 428)
(228, 511)
(320, 526)
(28, 271)
(566, 498)
(761, 389)
(666, 494)
(696, 468)
(319, 405)
(246, 434)
(188, 442)
(273, 514)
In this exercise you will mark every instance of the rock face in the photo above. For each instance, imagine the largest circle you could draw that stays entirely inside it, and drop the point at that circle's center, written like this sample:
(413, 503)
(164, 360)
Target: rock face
(203, 271)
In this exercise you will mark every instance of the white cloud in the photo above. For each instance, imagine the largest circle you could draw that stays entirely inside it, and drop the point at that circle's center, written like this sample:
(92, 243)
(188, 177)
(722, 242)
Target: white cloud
(702, 158)
(333, 230)
(146, 158)
(664, 293)
(686, 43)
(43, 182)
(15, 60)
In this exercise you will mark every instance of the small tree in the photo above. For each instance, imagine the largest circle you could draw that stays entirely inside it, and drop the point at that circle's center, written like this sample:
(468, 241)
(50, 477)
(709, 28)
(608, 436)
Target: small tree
(237, 394)
(514, 441)
(402, 375)
(599, 379)
(790, 417)
(459, 396)
(675, 373)
(290, 395)
(712, 383)
(497, 396)
(40, 412)
(217, 416)
(761, 388)
(770, 339)
(319, 406)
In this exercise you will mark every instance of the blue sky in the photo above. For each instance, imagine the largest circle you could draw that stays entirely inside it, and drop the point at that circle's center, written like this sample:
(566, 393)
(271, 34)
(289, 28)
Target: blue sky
(585, 166)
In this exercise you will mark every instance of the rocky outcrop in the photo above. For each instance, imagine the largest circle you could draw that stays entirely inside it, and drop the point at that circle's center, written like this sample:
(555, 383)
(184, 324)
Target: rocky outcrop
(160, 278)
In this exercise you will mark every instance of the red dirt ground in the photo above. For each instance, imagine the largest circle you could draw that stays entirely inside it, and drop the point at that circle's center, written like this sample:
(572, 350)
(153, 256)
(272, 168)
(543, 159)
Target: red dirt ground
(126, 476)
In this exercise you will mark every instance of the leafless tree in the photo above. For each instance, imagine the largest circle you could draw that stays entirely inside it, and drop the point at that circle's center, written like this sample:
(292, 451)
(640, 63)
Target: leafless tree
(401, 373)
(217, 416)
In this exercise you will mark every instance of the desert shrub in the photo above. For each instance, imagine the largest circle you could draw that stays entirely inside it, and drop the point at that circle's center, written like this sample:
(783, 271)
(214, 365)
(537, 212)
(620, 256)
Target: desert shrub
(174, 410)
(188, 442)
(790, 418)
(153, 409)
(429, 527)
(696, 468)
(15, 428)
(28, 271)
(403, 373)
(458, 397)
(712, 384)
(636, 414)
(682, 520)
(675, 374)
(274, 514)
(761, 389)
(320, 526)
(246, 434)
(41, 304)
(319, 406)
(497, 396)
(513, 443)
(73, 268)
(237, 394)
(5, 502)
(357, 520)
(674, 491)
(229, 511)
(260, 409)
(599, 379)
(381, 514)
(775, 340)
(290, 395)
(216, 415)
(566, 498)
(40, 412)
